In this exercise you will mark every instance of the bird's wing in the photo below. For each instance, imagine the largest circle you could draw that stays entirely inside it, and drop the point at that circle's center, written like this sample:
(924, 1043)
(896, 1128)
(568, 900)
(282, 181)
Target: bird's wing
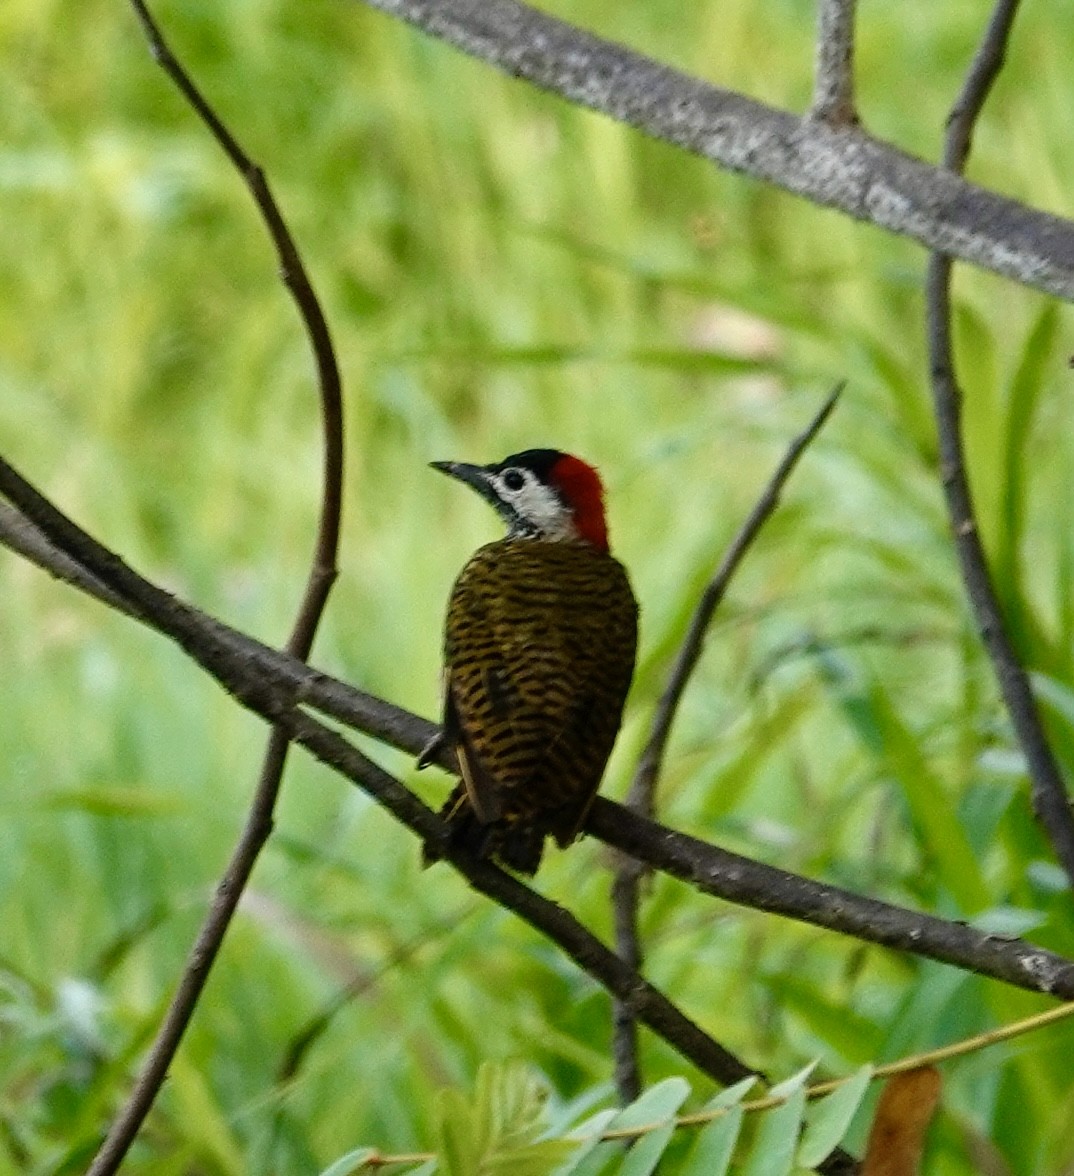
(485, 798)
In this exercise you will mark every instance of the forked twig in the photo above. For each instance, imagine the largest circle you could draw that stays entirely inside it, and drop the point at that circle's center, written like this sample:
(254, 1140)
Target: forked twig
(625, 888)
(211, 647)
(258, 824)
(1050, 799)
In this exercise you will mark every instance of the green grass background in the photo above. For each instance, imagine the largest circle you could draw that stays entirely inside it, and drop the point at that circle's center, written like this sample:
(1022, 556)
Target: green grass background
(501, 271)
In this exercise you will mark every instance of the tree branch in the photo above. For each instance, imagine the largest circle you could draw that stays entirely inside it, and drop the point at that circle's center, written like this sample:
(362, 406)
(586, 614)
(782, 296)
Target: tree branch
(20, 535)
(273, 695)
(641, 798)
(243, 666)
(762, 887)
(833, 89)
(842, 168)
(1050, 799)
(322, 574)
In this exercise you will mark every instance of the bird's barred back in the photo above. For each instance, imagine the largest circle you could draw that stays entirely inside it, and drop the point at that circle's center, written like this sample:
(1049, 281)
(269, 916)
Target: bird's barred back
(540, 648)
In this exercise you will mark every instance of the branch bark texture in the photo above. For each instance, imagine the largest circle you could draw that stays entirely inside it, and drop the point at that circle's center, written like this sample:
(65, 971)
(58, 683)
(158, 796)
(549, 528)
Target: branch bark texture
(759, 886)
(836, 167)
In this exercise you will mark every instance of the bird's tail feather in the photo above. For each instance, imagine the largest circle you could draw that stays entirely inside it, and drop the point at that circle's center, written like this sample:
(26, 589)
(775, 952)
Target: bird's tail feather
(513, 842)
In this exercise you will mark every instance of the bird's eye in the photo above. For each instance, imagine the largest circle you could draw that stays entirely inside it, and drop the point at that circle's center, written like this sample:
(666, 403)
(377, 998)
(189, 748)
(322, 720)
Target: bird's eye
(513, 479)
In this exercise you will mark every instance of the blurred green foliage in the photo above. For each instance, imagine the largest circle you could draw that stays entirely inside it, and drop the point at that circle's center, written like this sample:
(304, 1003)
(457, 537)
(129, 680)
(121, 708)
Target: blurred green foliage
(501, 271)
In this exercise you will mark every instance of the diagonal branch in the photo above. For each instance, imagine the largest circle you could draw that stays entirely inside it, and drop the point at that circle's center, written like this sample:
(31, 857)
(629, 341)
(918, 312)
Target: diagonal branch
(651, 760)
(641, 798)
(274, 697)
(242, 665)
(762, 887)
(1050, 799)
(258, 825)
(842, 168)
(599, 961)
(20, 535)
(833, 88)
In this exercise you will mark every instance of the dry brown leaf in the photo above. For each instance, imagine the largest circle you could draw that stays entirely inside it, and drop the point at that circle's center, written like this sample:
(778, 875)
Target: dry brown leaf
(897, 1136)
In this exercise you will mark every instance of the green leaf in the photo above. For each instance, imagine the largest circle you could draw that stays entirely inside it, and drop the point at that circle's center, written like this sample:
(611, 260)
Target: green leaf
(592, 1128)
(1009, 922)
(1057, 696)
(675, 359)
(114, 802)
(886, 736)
(1023, 400)
(517, 1101)
(853, 1035)
(654, 1105)
(732, 1095)
(350, 1163)
(459, 1142)
(535, 1159)
(496, 1130)
(828, 1118)
(196, 1105)
(595, 1124)
(777, 1138)
(591, 1160)
(795, 1082)
(587, 1136)
(711, 1155)
(645, 1154)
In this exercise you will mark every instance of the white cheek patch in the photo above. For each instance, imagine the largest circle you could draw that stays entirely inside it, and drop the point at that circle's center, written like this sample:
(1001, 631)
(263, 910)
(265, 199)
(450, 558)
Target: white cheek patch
(541, 506)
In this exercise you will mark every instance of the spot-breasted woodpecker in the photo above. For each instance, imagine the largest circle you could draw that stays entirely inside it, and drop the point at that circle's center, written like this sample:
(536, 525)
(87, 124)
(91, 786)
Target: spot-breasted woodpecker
(539, 651)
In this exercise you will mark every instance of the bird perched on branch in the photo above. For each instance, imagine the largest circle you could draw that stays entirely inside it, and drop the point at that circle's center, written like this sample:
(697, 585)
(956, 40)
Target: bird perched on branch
(539, 650)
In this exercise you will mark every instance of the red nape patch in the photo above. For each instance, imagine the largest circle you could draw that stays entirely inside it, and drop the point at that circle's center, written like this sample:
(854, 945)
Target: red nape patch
(581, 487)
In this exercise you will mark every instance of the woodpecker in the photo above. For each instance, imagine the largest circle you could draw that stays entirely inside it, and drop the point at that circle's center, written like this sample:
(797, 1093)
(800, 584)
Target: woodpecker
(539, 648)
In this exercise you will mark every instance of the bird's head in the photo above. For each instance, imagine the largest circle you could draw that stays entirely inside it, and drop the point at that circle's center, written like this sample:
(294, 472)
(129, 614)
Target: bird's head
(540, 494)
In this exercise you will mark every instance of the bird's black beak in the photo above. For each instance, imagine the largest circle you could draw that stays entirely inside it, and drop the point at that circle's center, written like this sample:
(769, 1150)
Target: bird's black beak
(474, 476)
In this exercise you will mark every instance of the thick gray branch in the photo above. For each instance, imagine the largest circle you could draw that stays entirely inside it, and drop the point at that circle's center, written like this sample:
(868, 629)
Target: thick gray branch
(841, 168)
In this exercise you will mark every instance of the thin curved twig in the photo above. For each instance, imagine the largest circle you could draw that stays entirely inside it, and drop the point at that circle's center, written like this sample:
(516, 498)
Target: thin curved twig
(642, 795)
(243, 666)
(259, 820)
(1051, 801)
(842, 168)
